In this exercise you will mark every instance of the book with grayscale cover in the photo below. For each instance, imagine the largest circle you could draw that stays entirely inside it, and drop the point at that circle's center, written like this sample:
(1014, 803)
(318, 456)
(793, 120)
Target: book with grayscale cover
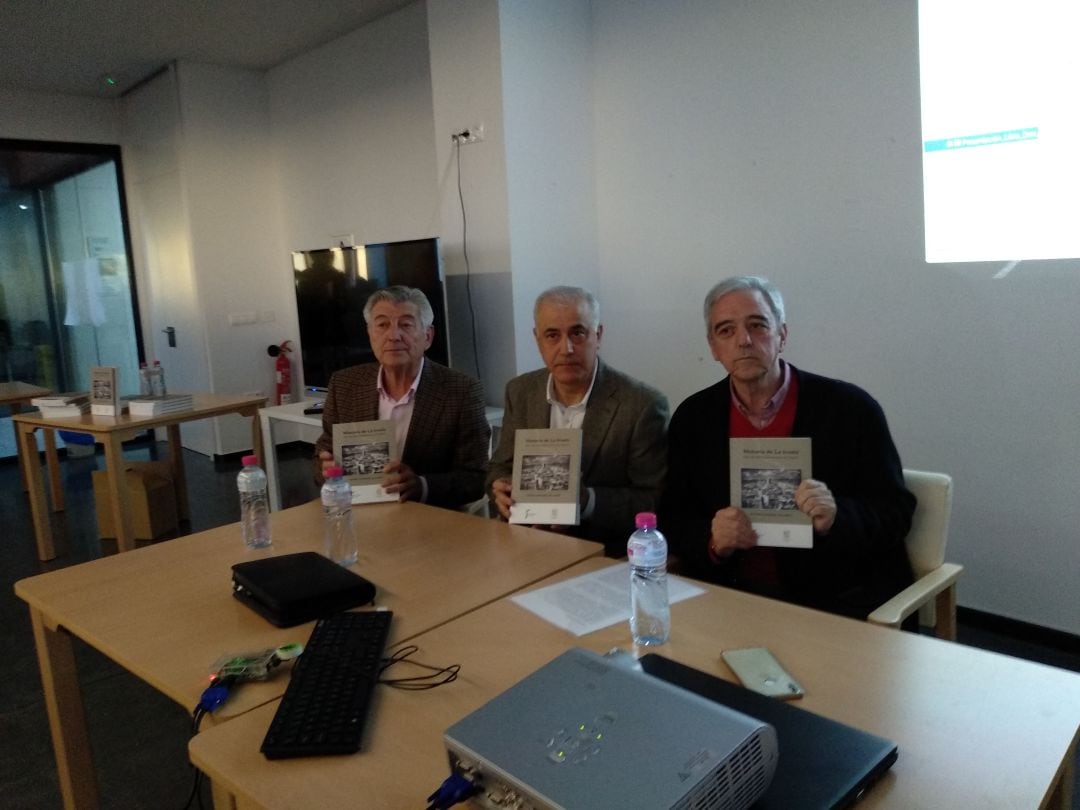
(105, 392)
(547, 475)
(764, 476)
(363, 449)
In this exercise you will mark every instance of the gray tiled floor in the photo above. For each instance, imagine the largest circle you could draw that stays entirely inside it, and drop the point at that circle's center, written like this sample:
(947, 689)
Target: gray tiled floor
(138, 736)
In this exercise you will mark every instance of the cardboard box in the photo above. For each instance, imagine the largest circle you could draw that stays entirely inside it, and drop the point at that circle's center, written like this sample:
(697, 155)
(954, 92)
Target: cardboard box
(152, 500)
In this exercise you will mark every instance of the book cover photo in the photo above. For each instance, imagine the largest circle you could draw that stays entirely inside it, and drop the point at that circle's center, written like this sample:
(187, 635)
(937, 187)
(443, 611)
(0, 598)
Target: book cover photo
(105, 392)
(764, 476)
(547, 472)
(363, 449)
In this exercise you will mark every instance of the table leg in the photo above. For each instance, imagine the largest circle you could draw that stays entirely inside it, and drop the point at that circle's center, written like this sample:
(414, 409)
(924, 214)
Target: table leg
(67, 718)
(119, 497)
(28, 455)
(270, 462)
(176, 462)
(16, 407)
(223, 799)
(1061, 797)
(53, 462)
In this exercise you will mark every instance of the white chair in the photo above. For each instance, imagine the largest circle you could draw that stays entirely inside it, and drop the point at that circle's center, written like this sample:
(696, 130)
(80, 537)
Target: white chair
(933, 593)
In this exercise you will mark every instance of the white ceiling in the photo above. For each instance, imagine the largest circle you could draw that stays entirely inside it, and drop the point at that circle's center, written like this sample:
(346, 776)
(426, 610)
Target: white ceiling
(69, 46)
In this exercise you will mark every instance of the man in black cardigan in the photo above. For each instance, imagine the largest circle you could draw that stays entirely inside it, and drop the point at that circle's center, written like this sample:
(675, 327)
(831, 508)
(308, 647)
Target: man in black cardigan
(856, 499)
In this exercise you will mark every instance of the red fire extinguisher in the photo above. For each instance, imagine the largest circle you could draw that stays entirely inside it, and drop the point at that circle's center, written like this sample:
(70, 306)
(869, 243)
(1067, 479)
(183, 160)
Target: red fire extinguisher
(282, 372)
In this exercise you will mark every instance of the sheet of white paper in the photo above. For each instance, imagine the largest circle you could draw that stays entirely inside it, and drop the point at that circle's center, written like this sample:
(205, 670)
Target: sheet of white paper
(82, 285)
(593, 601)
(784, 535)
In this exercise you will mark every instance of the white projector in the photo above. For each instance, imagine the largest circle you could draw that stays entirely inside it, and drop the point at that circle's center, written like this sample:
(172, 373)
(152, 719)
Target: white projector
(586, 731)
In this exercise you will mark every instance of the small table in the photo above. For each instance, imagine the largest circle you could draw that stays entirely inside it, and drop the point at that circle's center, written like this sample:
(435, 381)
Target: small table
(112, 431)
(974, 729)
(15, 395)
(294, 413)
(165, 612)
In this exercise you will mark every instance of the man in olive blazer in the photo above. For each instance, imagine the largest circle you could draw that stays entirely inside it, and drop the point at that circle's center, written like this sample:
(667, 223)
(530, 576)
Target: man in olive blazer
(623, 426)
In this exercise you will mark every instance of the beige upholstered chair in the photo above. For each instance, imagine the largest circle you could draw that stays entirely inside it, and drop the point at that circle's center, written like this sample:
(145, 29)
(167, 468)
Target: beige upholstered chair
(933, 593)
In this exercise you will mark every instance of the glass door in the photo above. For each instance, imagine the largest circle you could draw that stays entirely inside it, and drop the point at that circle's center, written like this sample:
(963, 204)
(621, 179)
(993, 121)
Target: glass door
(67, 297)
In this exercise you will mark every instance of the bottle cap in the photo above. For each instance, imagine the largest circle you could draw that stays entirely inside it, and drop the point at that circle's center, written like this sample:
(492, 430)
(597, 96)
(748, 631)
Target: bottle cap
(332, 472)
(645, 520)
(250, 461)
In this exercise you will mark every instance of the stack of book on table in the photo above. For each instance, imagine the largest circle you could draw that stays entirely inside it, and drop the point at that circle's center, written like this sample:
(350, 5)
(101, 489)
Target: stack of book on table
(63, 405)
(163, 403)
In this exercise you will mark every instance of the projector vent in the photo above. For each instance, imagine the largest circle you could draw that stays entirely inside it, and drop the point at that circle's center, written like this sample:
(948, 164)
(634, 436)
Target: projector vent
(734, 784)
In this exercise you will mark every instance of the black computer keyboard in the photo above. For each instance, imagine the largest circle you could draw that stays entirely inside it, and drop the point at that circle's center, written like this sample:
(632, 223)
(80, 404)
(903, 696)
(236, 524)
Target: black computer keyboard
(327, 700)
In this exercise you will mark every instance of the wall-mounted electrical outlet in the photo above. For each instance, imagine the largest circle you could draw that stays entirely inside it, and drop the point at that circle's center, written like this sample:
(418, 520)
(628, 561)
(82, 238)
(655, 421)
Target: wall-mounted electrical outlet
(471, 134)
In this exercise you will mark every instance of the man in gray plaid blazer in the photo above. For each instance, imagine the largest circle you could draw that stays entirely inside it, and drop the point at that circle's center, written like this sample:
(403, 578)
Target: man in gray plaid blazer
(438, 413)
(623, 421)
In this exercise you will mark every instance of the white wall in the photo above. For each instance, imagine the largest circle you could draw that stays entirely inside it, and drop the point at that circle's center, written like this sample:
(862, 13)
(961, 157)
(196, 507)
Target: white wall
(547, 105)
(521, 70)
(782, 138)
(353, 138)
(467, 89)
(162, 243)
(239, 261)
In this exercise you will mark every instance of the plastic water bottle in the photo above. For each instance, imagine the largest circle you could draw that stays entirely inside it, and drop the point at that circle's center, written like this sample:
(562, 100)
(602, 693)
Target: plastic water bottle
(157, 380)
(340, 535)
(145, 388)
(254, 504)
(650, 614)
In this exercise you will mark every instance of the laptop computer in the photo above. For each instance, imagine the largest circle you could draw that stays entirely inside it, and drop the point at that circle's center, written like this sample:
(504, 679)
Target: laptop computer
(822, 763)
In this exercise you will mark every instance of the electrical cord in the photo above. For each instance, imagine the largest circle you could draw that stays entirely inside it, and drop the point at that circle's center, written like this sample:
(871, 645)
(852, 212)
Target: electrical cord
(437, 676)
(195, 792)
(212, 697)
(465, 251)
(454, 790)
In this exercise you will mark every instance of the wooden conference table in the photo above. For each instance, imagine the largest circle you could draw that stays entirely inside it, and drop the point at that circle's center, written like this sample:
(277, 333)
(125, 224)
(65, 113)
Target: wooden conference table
(165, 612)
(112, 431)
(974, 729)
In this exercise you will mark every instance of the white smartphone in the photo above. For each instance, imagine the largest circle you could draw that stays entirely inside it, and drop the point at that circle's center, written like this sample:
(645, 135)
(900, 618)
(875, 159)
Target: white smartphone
(757, 669)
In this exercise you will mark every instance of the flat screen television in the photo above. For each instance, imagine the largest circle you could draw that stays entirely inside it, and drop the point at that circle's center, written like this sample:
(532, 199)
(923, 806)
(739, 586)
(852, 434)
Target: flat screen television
(332, 286)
